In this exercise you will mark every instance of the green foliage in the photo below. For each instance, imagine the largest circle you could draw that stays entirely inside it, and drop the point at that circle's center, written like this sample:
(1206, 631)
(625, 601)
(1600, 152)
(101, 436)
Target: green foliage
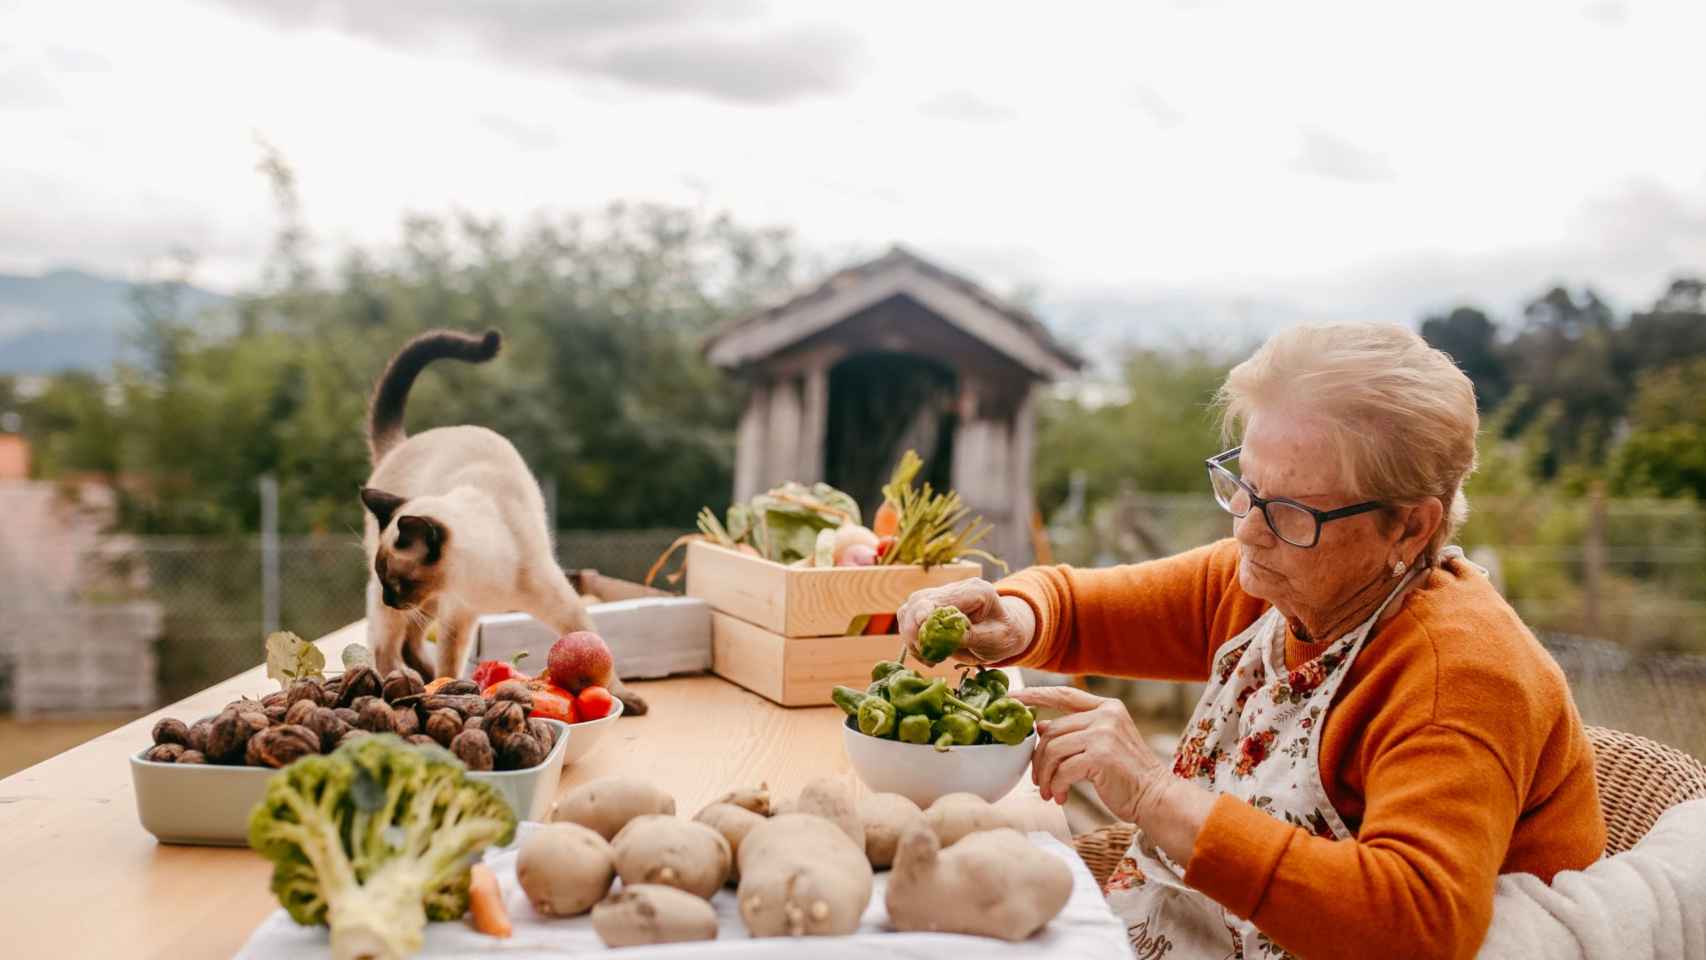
(1154, 439)
(1665, 451)
(601, 384)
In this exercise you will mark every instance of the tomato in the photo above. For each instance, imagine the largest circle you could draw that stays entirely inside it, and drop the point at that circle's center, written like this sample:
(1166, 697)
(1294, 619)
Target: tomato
(552, 702)
(884, 545)
(594, 703)
(490, 672)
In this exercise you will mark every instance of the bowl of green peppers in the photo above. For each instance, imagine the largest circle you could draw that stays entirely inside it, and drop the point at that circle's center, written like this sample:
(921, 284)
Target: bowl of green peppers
(923, 739)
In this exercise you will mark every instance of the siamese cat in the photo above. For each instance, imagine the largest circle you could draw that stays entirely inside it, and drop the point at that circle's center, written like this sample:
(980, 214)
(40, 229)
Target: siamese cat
(456, 528)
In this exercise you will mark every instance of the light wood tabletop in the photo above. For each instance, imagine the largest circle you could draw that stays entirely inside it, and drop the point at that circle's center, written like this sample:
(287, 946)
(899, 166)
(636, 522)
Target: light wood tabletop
(82, 878)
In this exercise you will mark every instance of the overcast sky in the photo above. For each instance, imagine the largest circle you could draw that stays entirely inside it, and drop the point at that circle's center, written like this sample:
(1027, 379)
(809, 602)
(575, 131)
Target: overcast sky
(1320, 159)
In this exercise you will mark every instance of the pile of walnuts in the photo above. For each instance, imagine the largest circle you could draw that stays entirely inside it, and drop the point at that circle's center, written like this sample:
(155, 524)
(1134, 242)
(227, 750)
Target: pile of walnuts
(314, 716)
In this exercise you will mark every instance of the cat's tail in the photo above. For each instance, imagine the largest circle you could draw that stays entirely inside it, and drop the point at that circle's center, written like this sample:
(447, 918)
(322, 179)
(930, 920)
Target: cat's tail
(391, 393)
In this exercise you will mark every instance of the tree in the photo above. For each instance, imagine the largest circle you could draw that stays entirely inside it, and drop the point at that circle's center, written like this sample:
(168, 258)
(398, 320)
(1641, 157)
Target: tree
(1665, 451)
(1471, 339)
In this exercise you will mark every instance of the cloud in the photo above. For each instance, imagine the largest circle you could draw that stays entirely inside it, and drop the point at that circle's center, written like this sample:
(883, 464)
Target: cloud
(1607, 13)
(1157, 109)
(28, 88)
(527, 136)
(966, 106)
(723, 50)
(1326, 155)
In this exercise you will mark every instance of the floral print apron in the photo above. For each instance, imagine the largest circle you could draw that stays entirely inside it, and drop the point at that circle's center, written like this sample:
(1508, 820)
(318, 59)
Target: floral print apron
(1254, 735)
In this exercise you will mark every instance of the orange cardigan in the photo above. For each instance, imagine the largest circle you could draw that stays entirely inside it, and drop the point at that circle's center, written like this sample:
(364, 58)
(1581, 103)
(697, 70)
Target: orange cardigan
(1453, 750)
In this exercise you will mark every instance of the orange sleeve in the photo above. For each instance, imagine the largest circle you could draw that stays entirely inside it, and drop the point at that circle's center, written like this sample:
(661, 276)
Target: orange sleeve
(1161, 619)
(1441, 810)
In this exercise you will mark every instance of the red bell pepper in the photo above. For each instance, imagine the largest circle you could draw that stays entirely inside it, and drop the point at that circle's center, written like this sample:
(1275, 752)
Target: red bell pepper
(552, 702)
(490, 672)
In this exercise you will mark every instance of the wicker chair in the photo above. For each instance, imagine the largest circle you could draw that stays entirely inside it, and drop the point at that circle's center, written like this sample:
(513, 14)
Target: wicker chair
(1638, 781)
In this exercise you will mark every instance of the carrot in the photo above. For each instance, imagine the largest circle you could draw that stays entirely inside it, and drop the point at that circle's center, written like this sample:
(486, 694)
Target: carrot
(887, 521)
(881, 624)
(486, 902)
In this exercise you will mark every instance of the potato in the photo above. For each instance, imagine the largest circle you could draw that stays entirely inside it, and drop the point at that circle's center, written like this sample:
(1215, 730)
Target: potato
(832, 798)
(974, 886)
(887, 817)
(564, 869)
(959, 814)
(605, 806)
(801, 875)
(756, 799)
(663, 848)
(653, 913)
(734, 823)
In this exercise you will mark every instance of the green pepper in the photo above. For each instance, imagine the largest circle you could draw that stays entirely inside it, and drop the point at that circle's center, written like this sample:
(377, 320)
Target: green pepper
(955, 729)
(995, 681)
(883, 668)
(915, 729)
(1008, 721)
(916, 695)
(941, 634)
(848, 699)
(974, 695)
(876, 717)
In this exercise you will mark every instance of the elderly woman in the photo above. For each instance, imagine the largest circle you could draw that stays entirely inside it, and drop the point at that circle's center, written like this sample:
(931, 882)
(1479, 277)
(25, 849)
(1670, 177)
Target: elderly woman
(1380, 736)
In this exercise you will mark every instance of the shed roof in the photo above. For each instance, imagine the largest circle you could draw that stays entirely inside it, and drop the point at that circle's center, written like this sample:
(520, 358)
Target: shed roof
(1005, 327)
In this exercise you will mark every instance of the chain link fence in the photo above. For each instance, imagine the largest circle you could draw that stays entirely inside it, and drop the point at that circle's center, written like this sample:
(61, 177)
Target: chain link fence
(203, 617)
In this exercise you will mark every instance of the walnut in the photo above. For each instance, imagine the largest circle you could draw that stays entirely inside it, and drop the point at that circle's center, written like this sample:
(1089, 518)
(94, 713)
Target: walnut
(474, 723)
(457, 688)
(443, 726)
(473, 749)
(515, 690)
(376, 716)
(468, 705)
(355, 733)
(198, 734)
(519, 751)
(359, 702)
(172, 731)
(276, 698)
(191, 756)
(347, 715)
(281, 746)
(164, 753)
(301, 712)
(505, 717)
(230, 733)
(543, 732)
(276, 713)
(402, 682)
(311, 690)
(407, 720)
(359, 682)
(330, 726)
(421, 740)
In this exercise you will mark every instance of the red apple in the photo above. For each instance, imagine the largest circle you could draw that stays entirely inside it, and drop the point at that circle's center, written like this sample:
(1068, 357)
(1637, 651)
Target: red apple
(579, 660)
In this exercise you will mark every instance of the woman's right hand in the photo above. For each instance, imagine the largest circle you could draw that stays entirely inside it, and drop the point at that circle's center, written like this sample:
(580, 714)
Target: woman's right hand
(1001, 627)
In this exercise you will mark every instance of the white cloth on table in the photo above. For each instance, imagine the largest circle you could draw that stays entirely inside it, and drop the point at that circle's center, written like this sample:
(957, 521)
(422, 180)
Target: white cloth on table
(1647, 902)
(1086, 928)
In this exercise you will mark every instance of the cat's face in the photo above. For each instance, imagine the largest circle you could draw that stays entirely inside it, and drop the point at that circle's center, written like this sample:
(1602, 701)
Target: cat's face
(410, 562)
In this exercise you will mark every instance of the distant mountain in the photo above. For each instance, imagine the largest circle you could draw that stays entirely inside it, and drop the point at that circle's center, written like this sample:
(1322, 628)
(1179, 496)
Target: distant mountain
(70, 320)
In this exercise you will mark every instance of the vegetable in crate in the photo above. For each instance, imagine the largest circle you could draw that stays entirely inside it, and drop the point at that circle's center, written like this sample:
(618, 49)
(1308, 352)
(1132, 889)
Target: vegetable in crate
(931, 528)
(374, 840)
(942, 634)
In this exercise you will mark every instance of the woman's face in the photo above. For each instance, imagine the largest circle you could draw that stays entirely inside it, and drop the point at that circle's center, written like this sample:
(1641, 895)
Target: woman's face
(1285, 456)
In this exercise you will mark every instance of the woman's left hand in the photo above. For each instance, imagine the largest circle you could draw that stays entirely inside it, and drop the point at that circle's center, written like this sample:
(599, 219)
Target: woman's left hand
(1095, 741)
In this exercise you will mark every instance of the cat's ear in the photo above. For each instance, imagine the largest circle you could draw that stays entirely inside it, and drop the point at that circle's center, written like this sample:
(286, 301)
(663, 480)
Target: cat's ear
(426, 531)
(381, 504)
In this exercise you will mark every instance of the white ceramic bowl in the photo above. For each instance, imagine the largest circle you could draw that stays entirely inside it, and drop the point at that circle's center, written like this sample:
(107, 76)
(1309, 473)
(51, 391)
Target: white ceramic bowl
(589, 732)
(210, 804)
(922, 774)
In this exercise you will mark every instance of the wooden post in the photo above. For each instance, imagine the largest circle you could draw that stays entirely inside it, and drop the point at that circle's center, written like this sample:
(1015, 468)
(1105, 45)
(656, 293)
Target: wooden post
(750, 442)
(814, 424)
(1593, 560)
(782, 443)
(1019, 453)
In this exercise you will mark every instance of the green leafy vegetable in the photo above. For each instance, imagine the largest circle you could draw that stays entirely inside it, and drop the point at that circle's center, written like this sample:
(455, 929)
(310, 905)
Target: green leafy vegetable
(935, 528)
(376, 839)
(291, 658)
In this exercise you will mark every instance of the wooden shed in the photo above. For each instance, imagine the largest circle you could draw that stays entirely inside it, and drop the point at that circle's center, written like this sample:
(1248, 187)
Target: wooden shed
(891, 355)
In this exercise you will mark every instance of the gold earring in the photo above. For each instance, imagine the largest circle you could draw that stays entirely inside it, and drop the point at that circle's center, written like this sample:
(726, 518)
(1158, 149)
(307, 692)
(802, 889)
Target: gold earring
(1398, 569)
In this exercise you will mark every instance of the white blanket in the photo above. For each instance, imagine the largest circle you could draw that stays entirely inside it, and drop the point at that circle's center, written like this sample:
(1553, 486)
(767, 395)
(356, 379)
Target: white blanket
(1085, 929)
(1646, 902)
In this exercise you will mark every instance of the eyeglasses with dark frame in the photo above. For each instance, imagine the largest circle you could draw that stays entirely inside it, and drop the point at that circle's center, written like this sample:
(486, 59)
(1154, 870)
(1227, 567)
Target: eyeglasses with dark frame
(1296, 523)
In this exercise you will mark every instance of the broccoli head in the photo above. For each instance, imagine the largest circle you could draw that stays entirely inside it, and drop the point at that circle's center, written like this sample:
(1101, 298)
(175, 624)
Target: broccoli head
(375, 839)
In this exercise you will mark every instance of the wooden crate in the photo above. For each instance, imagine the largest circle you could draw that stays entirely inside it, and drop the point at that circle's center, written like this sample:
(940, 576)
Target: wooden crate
(800, 671)
(780, 631)
(805, 601)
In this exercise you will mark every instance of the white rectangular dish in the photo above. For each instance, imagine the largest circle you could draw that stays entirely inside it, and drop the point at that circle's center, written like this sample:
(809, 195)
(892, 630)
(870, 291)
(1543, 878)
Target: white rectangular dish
(648, 636)
(209, 804)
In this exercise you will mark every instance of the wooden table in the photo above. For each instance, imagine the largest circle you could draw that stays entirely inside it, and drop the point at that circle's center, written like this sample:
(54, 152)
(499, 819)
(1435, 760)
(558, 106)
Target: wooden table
(82, 878)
